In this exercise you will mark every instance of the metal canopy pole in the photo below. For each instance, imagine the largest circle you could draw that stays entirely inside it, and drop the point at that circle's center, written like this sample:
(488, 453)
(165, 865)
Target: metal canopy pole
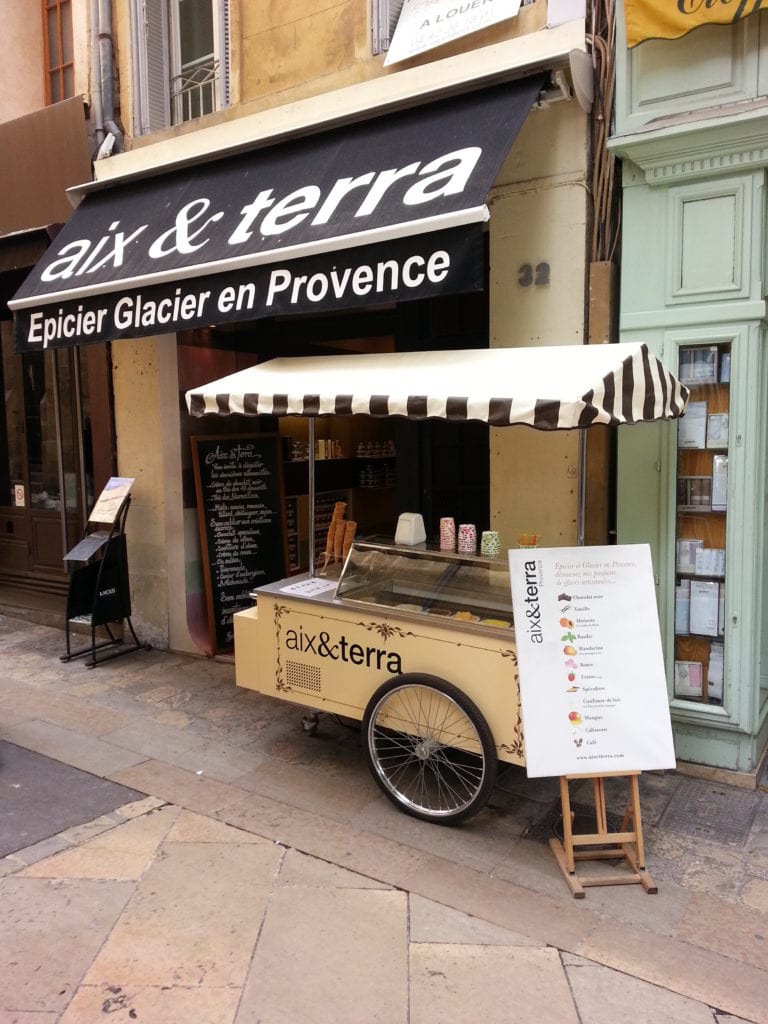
(311, 489)
(581, 511)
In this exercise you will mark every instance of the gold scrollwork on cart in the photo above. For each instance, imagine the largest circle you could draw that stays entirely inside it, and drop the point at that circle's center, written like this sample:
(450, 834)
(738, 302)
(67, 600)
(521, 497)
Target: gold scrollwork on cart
(280, 611)
(385, 629)
(516, 747)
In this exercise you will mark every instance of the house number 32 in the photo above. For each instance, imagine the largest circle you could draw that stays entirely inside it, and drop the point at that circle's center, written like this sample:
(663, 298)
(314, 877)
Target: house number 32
(527, 275)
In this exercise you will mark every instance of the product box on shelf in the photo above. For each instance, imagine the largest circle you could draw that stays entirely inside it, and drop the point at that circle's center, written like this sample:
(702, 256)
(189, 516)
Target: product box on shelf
(717, 430)
(689, 679)
(686, 554)
(699, 365)
(704, 607)
(692, 426)
(694, 493)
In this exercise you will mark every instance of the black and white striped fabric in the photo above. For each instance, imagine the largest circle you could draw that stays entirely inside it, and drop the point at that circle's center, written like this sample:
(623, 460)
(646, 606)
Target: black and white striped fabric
(546, 387)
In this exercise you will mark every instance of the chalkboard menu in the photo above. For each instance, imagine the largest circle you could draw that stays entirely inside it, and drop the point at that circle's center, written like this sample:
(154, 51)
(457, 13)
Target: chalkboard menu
(240, 513)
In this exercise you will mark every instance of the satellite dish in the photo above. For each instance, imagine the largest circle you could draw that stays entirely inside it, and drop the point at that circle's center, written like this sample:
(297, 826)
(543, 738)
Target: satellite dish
(581, 76)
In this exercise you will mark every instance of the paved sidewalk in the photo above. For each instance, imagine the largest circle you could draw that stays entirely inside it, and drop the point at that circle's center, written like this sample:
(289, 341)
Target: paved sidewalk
(264, 877)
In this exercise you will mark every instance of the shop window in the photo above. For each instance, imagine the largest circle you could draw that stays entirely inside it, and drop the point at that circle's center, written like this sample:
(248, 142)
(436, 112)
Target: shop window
(181, 64)
(11, 428)
(59, 59)
(702, 507)
(384, 15)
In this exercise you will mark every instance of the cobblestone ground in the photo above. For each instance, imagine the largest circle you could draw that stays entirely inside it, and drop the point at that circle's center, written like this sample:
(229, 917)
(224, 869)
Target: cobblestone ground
(177, 849)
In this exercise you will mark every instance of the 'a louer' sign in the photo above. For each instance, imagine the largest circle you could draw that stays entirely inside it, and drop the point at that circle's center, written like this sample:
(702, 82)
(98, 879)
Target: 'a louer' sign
(400, 176)
(426, 24)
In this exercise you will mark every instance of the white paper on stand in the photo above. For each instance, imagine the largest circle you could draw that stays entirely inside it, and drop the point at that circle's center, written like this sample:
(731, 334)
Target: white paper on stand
(592, 680)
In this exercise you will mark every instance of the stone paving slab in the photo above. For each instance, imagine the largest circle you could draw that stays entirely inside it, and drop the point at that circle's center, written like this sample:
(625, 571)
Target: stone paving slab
(492, 984)
(190, 790)
(190, 827)
(151, 738)
(68, 712)
(87, 753)
(193, 919)
(122, 853)
(24, 1017)
(739, 989)
(219, 760)
(604, 996)
(310, 790)
(555, 922)
(482, 843)
(299, 869)
(734, 931)
(51, 932)
(327, 956)
(126, 1004)
(326, 839)
(432, 922)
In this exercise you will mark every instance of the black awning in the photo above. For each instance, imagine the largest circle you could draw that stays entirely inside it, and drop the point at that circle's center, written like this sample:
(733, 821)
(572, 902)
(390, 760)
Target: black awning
(188, 241)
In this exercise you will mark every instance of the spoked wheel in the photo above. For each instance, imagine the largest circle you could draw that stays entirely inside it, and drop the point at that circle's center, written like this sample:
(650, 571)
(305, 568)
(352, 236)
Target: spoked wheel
(429, 748)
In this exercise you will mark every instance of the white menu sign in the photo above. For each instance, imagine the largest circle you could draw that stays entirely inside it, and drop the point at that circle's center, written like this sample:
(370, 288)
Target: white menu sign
(425, 24)
(592, 680)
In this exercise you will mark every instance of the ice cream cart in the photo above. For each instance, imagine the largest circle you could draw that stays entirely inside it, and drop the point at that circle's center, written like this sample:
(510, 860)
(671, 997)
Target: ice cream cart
(415, 642)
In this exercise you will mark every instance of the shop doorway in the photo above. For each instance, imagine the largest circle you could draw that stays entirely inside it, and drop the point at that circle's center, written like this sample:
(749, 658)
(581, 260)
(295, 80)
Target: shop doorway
(48, 459)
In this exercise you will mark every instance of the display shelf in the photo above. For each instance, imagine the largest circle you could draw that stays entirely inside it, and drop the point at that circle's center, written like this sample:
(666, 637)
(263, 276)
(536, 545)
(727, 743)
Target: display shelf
(701, 524)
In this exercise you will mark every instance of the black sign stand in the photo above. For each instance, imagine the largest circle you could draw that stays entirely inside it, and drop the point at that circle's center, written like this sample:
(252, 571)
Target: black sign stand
(99, 592)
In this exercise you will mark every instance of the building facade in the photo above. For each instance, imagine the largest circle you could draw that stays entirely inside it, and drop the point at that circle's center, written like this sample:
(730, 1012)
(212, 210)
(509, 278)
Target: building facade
(204, 85)
(56, 441)
(691, 119)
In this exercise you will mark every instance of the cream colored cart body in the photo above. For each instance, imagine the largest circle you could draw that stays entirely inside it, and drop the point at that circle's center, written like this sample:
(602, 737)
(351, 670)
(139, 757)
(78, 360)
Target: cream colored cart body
(419, 644)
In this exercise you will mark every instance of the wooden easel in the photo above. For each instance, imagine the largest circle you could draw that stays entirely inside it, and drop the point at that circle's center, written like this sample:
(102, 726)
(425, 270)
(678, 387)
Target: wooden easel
(627, 843)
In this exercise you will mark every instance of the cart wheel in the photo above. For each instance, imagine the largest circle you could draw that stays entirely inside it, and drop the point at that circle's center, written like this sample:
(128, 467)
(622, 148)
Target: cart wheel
(429, 748)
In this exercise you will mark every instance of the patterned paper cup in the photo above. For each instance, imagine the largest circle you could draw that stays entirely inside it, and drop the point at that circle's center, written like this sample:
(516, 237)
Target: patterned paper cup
(490, 544)
(467, 539)
(447, 534)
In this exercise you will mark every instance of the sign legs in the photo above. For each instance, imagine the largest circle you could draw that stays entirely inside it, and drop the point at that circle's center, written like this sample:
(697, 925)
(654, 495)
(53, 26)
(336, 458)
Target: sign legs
(626, 845)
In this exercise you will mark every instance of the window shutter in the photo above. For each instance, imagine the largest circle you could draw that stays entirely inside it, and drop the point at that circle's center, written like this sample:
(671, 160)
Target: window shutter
(225, 97)
(384, 20)
(152, 72)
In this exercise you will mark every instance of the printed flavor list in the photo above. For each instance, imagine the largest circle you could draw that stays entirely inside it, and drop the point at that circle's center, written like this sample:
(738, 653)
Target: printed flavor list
(592, 679)
(583, 680)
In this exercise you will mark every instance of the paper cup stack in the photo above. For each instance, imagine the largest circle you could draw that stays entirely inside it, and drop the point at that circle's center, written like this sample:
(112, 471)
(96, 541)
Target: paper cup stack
(447, 534)
(490, 544)
(467, 539)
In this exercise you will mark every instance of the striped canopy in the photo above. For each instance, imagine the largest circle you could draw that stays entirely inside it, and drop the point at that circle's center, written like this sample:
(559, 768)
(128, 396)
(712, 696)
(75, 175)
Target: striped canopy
(550, 388)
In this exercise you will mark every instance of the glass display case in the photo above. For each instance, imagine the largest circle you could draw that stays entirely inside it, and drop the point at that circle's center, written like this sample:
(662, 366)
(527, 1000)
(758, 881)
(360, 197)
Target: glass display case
(463, 589)
(702, 508)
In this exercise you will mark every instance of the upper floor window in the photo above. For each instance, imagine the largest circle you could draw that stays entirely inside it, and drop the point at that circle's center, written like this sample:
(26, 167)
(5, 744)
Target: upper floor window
(181, 65)
(384, 15)
(59, 57)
